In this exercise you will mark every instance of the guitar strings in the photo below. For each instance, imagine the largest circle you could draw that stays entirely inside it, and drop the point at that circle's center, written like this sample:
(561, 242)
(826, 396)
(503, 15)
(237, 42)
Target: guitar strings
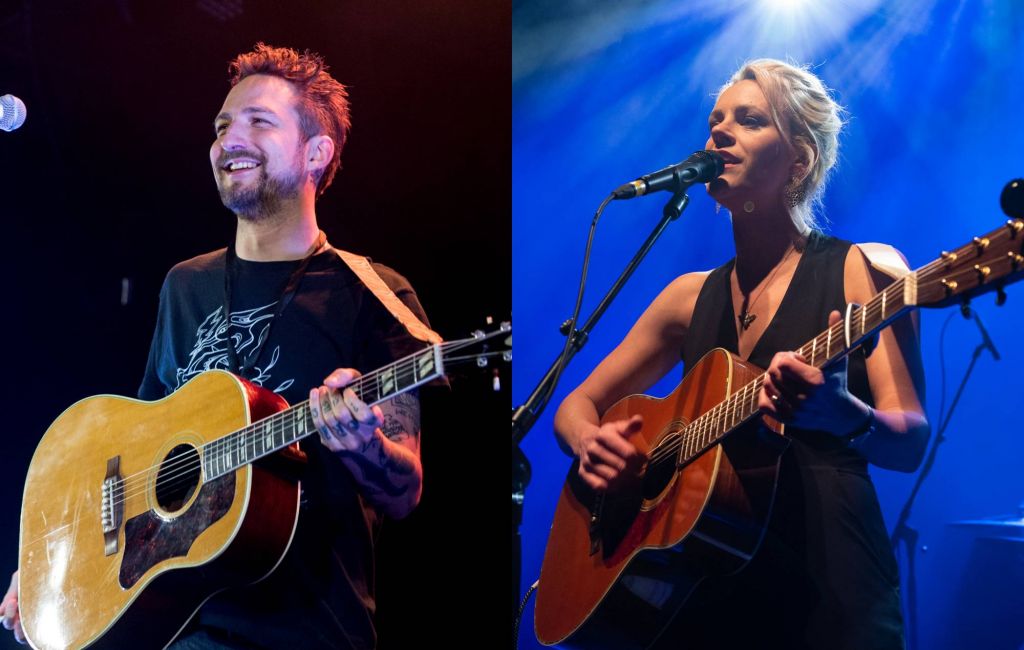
(186, 465)
(181, 467)
(698, 430)
(702, 430)
(235, 441)
(228, 446)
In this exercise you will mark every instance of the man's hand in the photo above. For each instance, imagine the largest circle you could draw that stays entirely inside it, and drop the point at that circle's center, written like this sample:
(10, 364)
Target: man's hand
(344, 421)
(9, 610)
(379, 445)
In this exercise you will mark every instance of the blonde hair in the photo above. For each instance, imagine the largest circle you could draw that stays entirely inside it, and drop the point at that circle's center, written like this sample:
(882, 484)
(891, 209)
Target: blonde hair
(804, 112)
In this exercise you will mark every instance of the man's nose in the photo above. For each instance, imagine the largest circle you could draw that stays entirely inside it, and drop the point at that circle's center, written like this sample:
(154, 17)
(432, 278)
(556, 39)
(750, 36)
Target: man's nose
(232, 138)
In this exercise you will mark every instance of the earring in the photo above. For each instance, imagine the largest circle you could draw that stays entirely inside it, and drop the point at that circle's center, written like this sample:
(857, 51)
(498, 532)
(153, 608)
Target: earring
(794, 193)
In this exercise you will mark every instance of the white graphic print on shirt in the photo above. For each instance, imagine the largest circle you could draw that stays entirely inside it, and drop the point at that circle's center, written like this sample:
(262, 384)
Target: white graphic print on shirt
(245, 330)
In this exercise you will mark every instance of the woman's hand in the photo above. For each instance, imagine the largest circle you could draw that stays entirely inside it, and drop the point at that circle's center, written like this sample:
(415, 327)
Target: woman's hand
(801, 395)
(607, 457)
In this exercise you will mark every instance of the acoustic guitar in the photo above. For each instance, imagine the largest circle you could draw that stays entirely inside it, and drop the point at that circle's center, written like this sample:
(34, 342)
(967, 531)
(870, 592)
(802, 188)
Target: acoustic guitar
(618, 568)
(135, 512)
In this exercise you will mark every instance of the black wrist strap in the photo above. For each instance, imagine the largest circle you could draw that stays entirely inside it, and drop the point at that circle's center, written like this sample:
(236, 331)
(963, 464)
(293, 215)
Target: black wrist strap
(863, 430)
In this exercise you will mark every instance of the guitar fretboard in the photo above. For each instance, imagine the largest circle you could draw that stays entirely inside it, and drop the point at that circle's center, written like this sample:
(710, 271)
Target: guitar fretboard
(228, 453)
(826, 348)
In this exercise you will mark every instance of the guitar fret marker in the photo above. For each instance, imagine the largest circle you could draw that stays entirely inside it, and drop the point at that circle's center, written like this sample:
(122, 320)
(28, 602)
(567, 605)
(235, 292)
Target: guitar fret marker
(425, 364)
(389, 382)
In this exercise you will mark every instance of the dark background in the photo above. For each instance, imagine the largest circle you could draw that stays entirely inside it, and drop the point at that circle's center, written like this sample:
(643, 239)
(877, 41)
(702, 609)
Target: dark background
(108, 184)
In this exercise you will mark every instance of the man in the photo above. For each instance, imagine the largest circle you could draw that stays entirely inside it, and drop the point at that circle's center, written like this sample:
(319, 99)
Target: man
(282, 309)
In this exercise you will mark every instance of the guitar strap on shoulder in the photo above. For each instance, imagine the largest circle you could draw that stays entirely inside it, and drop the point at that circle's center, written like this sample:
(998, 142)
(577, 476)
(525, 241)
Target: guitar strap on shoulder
(365, 272)
(886, 259)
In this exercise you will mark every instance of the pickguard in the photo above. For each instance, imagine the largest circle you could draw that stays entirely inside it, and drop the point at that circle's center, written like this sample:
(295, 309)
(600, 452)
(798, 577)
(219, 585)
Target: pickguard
(151, 539)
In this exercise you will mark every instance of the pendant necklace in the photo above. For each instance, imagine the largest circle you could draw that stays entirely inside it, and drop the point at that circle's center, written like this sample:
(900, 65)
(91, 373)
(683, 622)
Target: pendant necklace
(746, 318)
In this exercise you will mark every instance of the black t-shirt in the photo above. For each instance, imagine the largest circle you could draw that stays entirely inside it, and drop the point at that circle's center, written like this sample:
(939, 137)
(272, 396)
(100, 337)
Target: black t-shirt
(322, 594)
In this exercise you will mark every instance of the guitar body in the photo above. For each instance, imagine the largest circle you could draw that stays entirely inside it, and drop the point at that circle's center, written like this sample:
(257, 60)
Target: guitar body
(618, 583)
(138, 584)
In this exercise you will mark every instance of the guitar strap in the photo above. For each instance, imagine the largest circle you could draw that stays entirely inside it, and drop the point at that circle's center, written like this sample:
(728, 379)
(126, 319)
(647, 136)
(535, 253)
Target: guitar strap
(287, 293)
(886, 259)
(364, 271)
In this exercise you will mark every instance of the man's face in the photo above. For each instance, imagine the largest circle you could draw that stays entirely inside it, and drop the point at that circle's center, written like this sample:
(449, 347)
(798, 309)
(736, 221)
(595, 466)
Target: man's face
(258, 156)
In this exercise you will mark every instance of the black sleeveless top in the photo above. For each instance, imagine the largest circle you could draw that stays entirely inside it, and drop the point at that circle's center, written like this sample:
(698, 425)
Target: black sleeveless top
(825, 575)
(816, 289)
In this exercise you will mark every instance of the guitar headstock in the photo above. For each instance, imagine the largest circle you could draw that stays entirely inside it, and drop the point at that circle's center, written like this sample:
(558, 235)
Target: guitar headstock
(483, 348)
(988, 263)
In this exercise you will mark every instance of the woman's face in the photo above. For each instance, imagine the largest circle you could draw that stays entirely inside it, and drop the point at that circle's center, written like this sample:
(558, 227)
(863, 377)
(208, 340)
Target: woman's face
(758, 160)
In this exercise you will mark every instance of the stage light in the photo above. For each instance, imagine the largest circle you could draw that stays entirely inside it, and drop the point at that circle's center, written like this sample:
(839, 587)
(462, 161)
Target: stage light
(785, 5)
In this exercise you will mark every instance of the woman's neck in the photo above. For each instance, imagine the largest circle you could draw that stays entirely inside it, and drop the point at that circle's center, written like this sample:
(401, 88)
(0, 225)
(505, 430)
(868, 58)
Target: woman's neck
(763, 241)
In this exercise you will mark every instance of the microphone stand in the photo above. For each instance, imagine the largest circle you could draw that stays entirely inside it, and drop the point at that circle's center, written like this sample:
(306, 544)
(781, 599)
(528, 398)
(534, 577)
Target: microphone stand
(903, 532)
(524, 417)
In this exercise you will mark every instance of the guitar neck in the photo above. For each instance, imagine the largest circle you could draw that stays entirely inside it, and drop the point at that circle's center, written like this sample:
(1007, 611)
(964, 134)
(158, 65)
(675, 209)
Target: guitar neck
(271, 434)
(822, 351)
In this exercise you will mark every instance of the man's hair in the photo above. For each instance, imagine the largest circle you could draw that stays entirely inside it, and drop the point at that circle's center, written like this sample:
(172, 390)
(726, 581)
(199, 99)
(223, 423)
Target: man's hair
(322, 102)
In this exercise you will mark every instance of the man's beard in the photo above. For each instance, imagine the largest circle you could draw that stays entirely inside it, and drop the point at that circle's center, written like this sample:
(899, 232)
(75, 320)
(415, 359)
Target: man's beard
(261, 200)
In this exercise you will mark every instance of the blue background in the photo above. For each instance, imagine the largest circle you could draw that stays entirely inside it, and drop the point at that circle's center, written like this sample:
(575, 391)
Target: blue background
(605, 92)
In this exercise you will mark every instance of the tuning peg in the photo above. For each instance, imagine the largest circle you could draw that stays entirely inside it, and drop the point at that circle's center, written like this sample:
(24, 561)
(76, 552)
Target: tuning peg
(496, 381)
(564, 327)
(1000, 296)
(965, 308)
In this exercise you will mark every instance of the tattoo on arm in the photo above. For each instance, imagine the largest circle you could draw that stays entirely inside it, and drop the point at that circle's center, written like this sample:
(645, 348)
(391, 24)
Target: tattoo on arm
(401, 416)
(384, 475)
(376, 479)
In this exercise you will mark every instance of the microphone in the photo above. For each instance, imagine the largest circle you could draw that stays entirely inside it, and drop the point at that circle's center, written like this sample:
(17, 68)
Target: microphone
(701, 167)
(986, 341)
(12, 113)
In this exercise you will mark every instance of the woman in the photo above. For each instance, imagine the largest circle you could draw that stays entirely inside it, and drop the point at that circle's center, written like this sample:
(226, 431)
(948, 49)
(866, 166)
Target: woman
(824, 575)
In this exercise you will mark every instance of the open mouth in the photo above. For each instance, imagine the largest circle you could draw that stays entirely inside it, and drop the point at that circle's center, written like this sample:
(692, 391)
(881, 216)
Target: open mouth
(235, 166)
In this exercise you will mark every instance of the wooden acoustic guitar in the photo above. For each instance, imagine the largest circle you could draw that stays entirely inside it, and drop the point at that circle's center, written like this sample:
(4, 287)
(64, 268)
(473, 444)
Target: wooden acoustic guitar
(135, 513)
(618, 568)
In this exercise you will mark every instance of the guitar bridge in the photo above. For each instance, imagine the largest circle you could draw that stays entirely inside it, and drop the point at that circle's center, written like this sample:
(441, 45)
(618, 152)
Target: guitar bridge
(112, 505)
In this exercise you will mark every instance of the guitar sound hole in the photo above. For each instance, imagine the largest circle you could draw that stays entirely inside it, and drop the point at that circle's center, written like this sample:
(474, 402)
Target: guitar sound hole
(178, 478)
(660, 472)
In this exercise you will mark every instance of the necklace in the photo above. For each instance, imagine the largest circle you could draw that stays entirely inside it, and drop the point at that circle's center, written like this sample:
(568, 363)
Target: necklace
(746, 318)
